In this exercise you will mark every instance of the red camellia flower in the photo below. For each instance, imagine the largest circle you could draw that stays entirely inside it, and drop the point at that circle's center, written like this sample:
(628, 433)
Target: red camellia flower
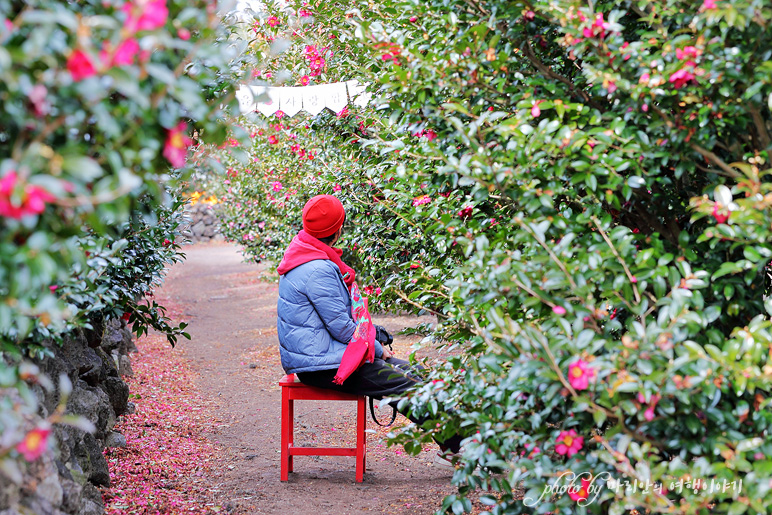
(167, 242)
(177, 143)
(721, 216)
(145, 14)
(466, 212)
(272, 139)
(34, 444)
(33, 198)
(580, 493)
(80, 66)
(683, 76)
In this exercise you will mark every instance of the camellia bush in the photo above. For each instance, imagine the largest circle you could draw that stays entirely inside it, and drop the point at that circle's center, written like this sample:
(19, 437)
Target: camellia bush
(581, 194)
(99, 102)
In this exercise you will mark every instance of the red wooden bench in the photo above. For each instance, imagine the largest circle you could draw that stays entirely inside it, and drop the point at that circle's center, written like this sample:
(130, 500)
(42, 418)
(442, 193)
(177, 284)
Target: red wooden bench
(293, 390)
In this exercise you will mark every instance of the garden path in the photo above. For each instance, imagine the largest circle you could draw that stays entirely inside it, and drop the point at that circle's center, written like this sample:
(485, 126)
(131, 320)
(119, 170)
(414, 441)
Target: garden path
(231, 307)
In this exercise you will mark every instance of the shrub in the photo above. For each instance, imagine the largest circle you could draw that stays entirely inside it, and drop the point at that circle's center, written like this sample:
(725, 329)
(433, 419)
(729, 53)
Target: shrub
(581, 195)
(99, 101)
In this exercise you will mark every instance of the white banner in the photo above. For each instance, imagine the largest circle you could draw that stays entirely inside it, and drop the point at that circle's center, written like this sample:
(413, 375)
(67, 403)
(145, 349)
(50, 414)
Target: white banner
(335, 97)
(359, 97)
(311, 99)
(290, 100)
(266, 99)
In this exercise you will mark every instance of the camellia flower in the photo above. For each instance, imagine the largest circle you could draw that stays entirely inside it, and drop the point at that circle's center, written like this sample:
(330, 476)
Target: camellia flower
(559, 310)
(145, 14)
(688, 52)
(34, 444)
(277, 185)
(125, 54)
(708, 4)
(33, 198)
(304, 80)
(579, 374)
(304, 13)
(272, 21)
(80, 66)
(536, 110)
(337, 187)
(582, 492)
(720, 215)
(466, 212)
(683, 76)
(423, 199)
(272, 139)
(568, 443)
(378, 290)
(649, 413)
(177, 143)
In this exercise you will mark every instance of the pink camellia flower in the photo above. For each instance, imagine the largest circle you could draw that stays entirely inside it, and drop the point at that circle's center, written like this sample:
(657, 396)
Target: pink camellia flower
(721, 216)
(272, 139)
(125, 54)
(688, 52)
(644, 79)
(304, 80)
(580, 493)
(336, 187)
(80, 66)
(53, 288)
(279, 114)
(559, 310)
(304, 13)
(145, 14)
(343, 112)
(183, 34)
(568, 443)
(649, 413)
(33, 198)
(34, 444)
(683, 76)
(579, 374)
(423, 199)
(413, 19)
(277, 185)
(708, 4)
(272, 21)
(378, 290)
(176, 146)
(536, 110)
(529, 15)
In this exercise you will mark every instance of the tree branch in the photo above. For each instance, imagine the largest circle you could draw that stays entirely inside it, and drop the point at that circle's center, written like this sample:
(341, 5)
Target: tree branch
(761, 127)
(543, 68)
(713, 158)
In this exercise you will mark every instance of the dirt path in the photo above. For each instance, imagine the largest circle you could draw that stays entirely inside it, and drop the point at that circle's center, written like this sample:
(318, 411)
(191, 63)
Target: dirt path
(234, 353)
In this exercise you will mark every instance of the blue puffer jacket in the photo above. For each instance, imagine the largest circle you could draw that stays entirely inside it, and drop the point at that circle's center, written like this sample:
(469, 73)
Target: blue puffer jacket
(314, 318)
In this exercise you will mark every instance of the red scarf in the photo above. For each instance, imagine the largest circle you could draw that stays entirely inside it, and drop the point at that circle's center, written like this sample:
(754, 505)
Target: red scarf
(305, 248)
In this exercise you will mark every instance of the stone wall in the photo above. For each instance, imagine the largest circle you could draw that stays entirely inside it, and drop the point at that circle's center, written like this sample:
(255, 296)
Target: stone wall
(67, 480)
(203, 223)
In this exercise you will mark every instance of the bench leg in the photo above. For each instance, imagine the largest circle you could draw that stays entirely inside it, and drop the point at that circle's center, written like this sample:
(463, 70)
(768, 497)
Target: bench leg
(286, 432)
(361, 439)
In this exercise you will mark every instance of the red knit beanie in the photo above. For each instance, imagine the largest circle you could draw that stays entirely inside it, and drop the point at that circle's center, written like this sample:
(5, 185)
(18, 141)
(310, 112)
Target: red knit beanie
(323, 215)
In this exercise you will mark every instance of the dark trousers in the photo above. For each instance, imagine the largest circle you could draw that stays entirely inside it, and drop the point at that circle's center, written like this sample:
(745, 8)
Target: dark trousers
(382, 378)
